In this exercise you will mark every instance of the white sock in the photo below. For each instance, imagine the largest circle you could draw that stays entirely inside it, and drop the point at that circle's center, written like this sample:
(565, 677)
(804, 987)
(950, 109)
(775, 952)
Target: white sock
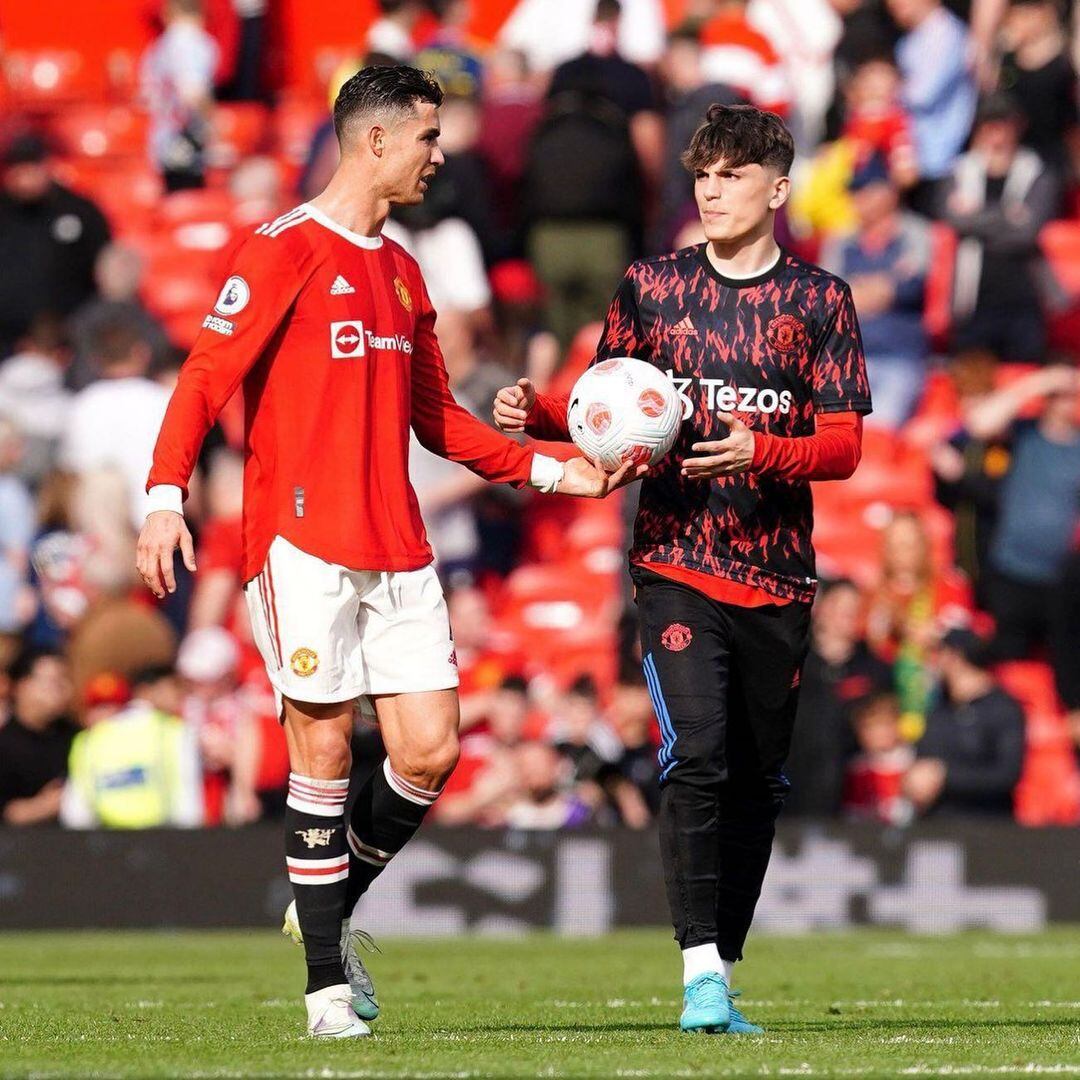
(729, 970)
(699, 959)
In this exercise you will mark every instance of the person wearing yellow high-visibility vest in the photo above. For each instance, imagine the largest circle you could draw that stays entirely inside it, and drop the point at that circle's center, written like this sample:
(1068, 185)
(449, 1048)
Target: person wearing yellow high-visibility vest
(136, 769)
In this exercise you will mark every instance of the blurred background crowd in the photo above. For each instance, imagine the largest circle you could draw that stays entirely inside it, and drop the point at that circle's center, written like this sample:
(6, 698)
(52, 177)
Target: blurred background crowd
(937, 173)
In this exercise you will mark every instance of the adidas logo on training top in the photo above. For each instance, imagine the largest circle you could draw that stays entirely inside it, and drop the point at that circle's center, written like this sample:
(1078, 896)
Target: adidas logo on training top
(683, 328)
(340, 287)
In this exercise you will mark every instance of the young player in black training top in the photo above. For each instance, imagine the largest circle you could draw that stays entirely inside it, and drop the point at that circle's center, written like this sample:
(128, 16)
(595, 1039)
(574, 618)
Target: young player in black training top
(765, 351)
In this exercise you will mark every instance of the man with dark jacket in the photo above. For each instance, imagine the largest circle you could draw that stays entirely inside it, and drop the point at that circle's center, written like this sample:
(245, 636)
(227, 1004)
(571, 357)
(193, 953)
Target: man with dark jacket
(839, 673)
(51, 234)
(35, 742)
(999, 196)
(973, 750)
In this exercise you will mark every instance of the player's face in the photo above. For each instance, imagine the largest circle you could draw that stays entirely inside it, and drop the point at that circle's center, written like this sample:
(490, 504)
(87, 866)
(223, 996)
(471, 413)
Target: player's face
(413, 154)
(737, 202)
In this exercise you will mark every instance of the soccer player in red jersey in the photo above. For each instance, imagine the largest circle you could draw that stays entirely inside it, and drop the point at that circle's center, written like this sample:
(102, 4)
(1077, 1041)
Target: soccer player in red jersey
(765, 351)
(328, 328)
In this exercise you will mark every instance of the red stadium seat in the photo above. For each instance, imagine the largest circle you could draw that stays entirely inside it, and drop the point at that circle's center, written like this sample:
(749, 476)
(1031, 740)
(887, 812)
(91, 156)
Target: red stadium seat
(199, 223)
(1049, 789)
(1060, 242)
(239, 129)
(169, 294)
(101, 131)
(197, 206)
(40, 80)
(295, 122)
(565, 614)
(128, 192)
(1032, 684)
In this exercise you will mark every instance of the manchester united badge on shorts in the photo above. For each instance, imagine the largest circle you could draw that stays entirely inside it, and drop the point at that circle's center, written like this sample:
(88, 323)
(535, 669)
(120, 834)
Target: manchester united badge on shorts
(403, 294)
(304, 662)
(676, 637)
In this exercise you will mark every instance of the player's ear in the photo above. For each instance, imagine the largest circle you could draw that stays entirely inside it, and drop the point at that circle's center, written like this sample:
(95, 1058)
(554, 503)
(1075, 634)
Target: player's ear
(377, 139)
(780, 192)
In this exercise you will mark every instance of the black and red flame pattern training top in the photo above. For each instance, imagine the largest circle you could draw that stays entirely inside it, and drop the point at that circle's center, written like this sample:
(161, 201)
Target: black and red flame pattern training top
(776, 349)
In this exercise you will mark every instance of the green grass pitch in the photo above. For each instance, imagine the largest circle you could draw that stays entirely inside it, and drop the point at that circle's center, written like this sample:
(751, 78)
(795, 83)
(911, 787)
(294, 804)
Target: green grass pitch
(227, 1004)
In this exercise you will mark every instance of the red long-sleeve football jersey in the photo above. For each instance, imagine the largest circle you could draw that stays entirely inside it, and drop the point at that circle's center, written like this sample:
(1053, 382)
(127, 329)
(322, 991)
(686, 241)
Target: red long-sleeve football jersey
(332, 337)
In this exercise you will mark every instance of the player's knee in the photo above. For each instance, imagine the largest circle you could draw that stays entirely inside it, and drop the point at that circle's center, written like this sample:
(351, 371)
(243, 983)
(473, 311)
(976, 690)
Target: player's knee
(325, 755)
(429, 765)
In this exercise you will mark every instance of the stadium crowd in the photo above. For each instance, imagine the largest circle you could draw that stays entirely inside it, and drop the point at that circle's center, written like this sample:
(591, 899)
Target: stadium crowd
(937, 173)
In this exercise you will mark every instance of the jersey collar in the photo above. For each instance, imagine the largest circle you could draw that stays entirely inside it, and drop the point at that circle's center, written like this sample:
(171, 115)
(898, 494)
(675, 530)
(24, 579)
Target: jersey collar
(370, 242)
(741, 283)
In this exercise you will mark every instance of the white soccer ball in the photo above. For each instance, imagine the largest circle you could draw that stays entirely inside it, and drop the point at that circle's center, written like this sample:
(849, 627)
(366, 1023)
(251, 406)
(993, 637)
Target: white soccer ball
(624, 409)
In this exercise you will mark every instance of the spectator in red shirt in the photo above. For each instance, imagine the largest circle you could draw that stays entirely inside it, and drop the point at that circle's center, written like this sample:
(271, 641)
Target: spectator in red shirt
(873, 784)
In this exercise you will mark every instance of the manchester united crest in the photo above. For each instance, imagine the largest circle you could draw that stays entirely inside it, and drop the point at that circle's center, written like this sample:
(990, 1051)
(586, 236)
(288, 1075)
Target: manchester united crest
(403, 294)
(304, 662)
(786, 333)
(316, 837)
(676, 637)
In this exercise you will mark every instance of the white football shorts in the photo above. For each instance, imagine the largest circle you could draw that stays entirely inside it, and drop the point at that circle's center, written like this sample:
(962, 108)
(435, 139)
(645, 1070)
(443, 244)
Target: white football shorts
(330, 634)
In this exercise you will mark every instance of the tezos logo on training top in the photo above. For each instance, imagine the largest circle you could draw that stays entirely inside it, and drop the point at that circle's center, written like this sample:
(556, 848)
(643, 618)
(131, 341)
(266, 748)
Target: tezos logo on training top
(349, 339)
(234, 296)
(721, 396)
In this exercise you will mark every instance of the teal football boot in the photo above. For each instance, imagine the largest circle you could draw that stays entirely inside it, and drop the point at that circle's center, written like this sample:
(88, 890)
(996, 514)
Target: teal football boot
(737, 1023)
(706, 1006)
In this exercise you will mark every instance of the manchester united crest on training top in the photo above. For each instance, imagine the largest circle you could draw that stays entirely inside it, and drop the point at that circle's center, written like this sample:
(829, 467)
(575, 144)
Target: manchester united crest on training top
(785, 333)
(403, 294)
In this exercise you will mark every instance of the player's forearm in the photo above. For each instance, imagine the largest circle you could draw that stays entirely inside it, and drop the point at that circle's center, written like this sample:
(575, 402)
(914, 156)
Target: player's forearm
(193, 407)
(831, 453)
(547, 420)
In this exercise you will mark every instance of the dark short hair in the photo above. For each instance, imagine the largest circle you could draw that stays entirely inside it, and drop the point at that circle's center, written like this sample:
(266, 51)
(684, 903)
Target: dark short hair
(113, 338)
(969, 646)
(607, 11)
(831, 585)
(22, 666)
(515, 684)
(584, 686)
(151, 674)
(740, 135)
(384, 91)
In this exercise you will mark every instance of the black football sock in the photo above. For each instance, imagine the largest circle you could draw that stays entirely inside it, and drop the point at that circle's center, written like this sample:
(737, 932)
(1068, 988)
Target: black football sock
(387, 811)
(317, 857)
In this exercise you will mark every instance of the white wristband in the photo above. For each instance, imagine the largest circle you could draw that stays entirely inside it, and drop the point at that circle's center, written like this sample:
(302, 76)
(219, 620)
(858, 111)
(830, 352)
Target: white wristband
(165, 497)
(547, 472)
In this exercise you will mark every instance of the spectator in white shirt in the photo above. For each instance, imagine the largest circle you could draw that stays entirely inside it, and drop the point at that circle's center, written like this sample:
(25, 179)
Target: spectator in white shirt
(114, 422)
(178, 85)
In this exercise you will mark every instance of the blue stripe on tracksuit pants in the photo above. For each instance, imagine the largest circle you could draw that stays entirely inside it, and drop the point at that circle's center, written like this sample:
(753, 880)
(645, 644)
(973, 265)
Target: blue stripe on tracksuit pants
(723, 680)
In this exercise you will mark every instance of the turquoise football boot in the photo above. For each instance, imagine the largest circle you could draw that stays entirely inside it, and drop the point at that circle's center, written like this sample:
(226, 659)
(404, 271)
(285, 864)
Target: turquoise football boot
(706, 1005)
(737, 1023)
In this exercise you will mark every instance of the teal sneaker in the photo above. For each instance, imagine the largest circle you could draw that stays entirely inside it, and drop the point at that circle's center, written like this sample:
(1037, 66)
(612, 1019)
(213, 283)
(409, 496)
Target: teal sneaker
(737, 1023)
(706, 1005)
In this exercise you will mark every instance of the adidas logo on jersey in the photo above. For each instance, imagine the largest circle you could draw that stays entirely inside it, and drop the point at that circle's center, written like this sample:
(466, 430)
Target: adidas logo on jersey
(340, 287)
(683, 328)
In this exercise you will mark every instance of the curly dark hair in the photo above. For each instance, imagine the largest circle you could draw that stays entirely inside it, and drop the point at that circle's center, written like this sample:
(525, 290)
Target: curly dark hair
(740, 135)
(390, 92)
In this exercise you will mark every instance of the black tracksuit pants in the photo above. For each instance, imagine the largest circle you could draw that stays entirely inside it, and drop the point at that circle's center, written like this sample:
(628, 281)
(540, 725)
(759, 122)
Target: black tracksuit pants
(725, 684)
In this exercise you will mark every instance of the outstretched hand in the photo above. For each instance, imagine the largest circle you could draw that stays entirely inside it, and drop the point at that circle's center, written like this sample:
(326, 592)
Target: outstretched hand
(586, 479)
(513, 405)
(725, 457)
(162, 533)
